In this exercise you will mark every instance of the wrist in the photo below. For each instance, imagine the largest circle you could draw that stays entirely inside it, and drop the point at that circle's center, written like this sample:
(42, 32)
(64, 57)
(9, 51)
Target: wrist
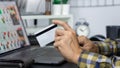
(97, 48)
(77, 56)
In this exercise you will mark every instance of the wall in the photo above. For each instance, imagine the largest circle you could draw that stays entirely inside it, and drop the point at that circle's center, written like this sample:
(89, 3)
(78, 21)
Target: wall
(98, 17)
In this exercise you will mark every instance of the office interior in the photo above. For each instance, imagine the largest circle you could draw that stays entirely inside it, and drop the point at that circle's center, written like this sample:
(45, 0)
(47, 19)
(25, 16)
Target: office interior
(101, 16)
(91, 11)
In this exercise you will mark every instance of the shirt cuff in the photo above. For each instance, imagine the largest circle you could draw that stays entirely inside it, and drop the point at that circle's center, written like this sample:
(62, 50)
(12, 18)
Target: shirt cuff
(85, 62)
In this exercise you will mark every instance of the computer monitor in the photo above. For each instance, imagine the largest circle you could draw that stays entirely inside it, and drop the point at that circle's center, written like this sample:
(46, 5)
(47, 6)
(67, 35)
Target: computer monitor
(12, 33)
(113, 31)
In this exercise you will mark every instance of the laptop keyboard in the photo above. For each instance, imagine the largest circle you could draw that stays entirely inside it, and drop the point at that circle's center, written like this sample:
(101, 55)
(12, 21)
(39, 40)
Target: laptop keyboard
(40, 55)
(33, 40)
(45, 52)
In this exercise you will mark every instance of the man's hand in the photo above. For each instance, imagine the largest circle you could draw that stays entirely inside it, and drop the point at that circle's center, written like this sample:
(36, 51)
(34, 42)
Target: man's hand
(66, 42)
(87, 44)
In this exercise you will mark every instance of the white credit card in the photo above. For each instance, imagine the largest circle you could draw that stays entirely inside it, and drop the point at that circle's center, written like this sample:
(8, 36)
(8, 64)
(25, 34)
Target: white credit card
(46, 35)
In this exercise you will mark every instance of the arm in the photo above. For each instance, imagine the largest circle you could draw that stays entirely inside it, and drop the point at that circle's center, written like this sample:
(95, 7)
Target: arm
(94, 60)
(107, 47)
(67, 43)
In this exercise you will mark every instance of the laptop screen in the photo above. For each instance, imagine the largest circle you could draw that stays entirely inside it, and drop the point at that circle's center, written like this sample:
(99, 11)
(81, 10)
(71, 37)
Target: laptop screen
(12, 33)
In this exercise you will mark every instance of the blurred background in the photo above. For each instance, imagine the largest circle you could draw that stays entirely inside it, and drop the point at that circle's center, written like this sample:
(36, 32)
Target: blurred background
(98, 13)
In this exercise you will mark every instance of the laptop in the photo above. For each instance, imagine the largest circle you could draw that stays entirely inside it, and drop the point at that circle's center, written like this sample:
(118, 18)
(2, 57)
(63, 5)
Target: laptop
(14, 43)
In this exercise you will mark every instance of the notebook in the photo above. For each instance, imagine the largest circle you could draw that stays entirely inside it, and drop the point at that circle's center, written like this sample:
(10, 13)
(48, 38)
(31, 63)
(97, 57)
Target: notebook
(14, 43)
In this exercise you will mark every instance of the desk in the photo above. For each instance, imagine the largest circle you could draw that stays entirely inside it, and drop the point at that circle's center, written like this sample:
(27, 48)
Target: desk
(64, 65)
(19, 53)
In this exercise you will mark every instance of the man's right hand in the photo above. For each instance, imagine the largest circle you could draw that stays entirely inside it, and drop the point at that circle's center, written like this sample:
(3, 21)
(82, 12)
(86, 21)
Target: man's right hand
(66, 42)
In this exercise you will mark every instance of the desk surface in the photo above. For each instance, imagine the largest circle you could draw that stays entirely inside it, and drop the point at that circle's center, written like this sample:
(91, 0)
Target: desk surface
(64, 65)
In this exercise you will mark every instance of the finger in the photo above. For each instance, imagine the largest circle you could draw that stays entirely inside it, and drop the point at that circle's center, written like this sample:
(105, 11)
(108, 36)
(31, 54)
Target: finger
(58, 38)
(57, 44)
(60, 32)
(57, 49)
(63, 24)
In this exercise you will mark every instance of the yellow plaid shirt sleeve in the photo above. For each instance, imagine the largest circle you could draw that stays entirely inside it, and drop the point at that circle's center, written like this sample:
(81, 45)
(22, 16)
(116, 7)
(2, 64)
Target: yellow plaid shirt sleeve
(94, 60)
(108, 47)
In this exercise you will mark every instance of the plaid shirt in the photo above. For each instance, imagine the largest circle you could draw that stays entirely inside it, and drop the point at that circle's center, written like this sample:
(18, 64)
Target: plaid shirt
(94, 60)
